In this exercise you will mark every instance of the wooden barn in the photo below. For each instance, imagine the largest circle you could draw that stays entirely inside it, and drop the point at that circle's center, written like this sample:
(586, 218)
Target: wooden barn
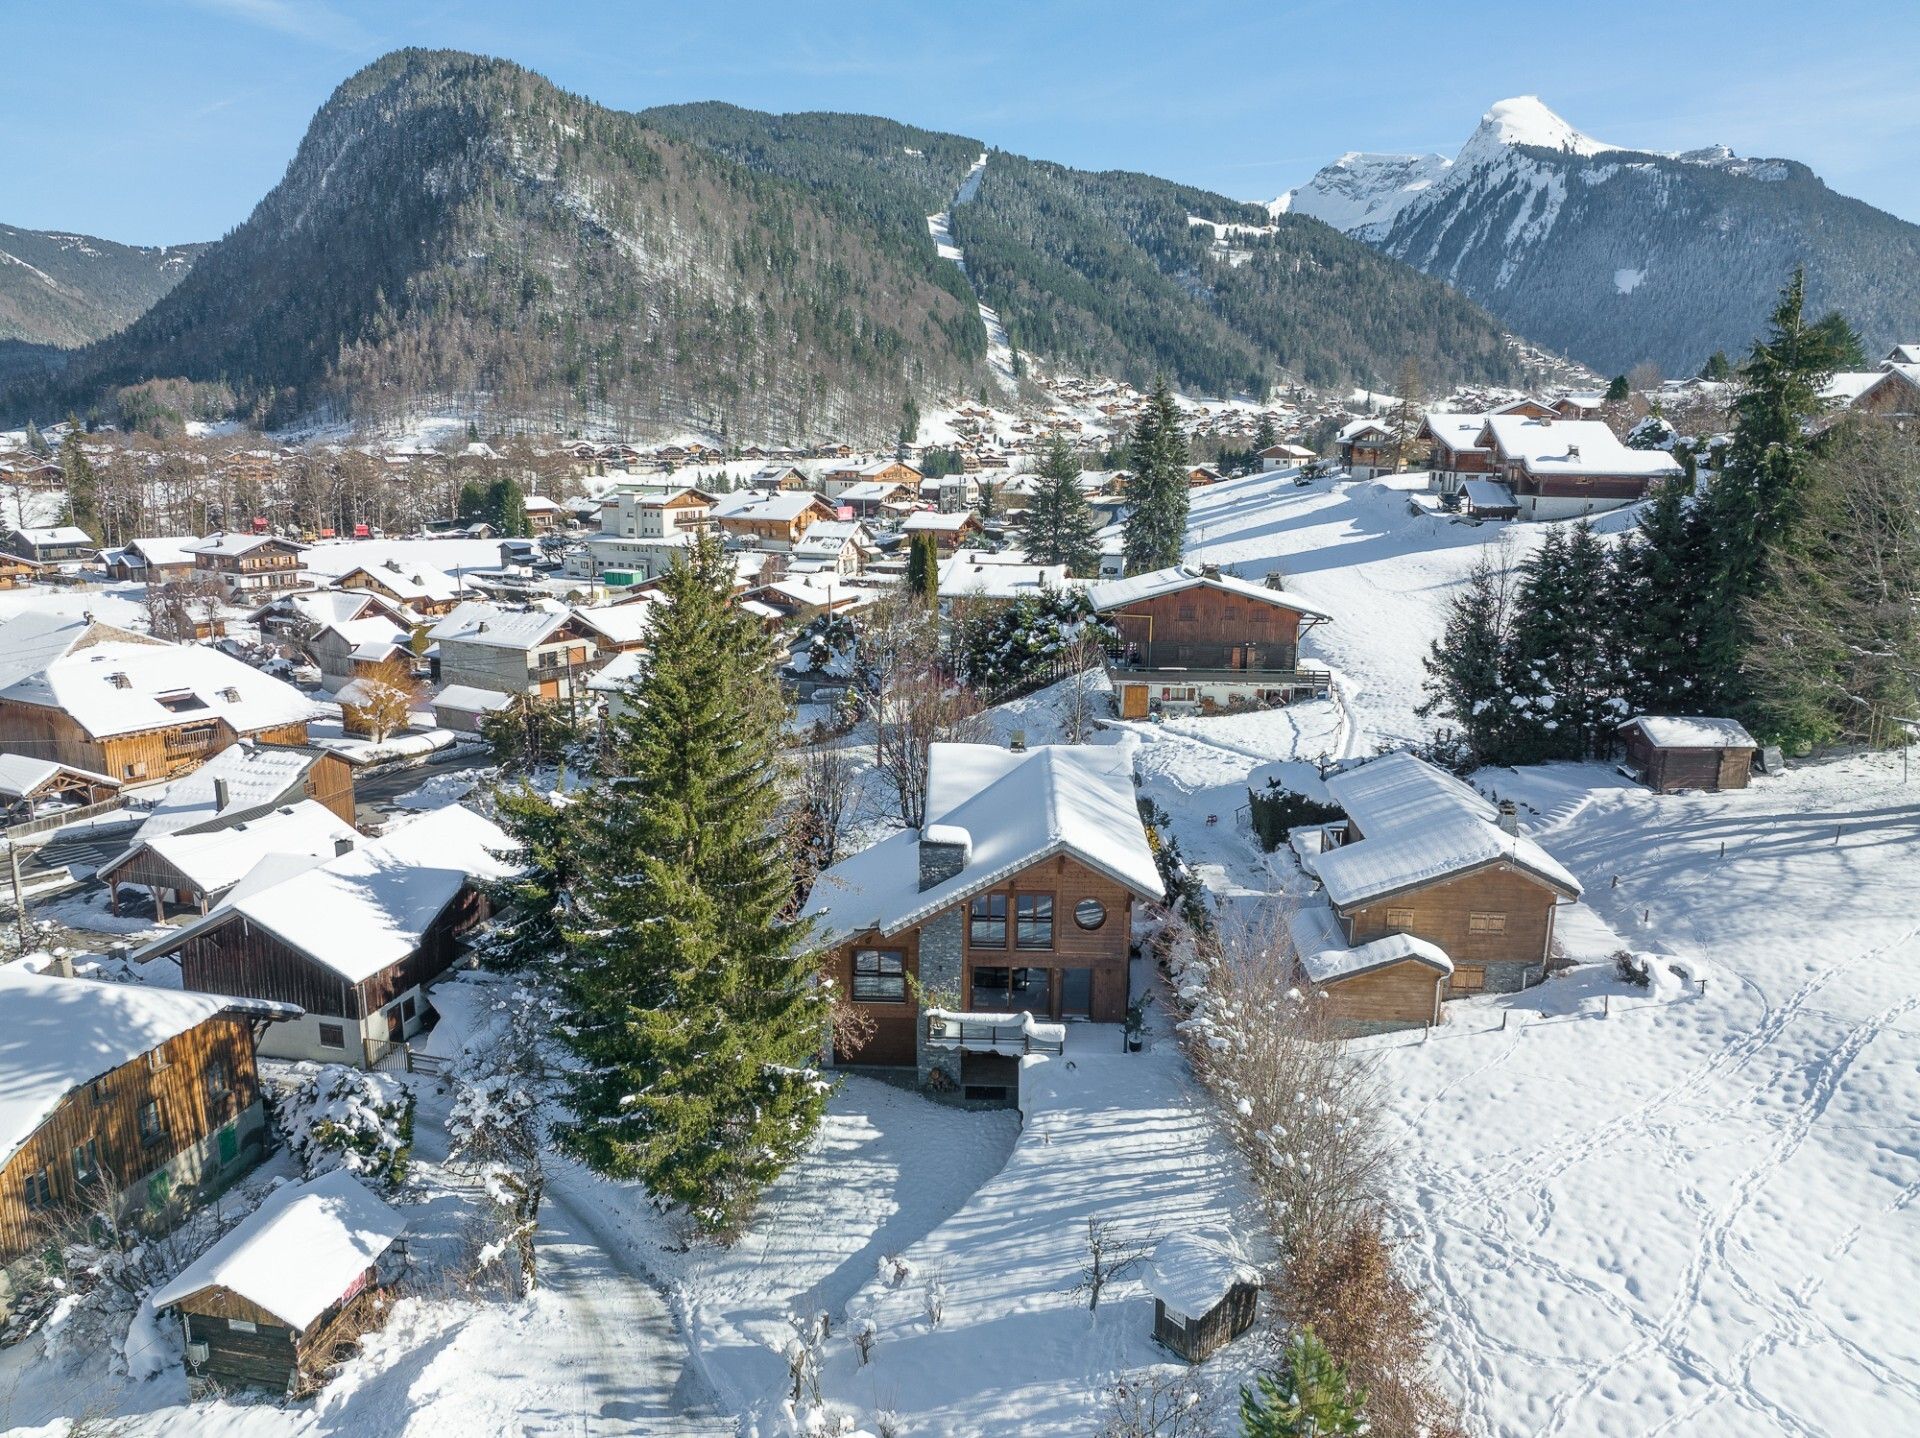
(30, 786)
(354, 940)
(282, 1294)
(1016, 896)
(1205, 1293)
(1668, 752)
(194, 867)
(120, 1095)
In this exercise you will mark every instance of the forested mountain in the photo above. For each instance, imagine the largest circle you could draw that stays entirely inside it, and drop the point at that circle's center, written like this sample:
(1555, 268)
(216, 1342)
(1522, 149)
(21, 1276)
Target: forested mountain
(1109, 272)
(455, 232)
(69, 290)
(1616, 256)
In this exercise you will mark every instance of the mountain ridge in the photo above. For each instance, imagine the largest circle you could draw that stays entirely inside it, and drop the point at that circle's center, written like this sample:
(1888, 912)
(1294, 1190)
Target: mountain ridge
(1614, 255)
(64, 289)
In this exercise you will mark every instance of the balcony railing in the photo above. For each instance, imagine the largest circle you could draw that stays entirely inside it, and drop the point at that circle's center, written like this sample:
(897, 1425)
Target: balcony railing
(1013, 1034)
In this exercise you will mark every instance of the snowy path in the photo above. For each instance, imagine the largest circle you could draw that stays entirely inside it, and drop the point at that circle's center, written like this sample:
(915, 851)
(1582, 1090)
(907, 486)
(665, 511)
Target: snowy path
(940, 226)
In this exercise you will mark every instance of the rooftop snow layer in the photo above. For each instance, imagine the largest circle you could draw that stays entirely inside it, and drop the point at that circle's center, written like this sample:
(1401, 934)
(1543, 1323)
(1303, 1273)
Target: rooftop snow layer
(1019, 806)
(21, 774)
(62, 1033)
(1192, 1270)
(1137, 589)
(1668, 731)
(1325, 966)
(217, 859)
(298, 1253)
(1419, 825)
(1572, 446)
(253, 775)
(479, 621)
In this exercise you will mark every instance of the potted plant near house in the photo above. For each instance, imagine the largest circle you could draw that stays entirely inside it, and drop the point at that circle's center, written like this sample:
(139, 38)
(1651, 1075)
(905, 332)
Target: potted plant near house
(1137, 1023)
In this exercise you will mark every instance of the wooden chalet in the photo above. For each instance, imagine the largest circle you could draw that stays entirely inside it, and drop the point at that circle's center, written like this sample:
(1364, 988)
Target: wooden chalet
(281, 1294)
(53, 544)
(1669, 753)
(835, 481)
(1195, 638)
(120, 1096)
(1565, 468)
(130, 706)
(16, 572)
(1421, 856)
(543, 652)
(952, 530)
(1365, 448)
(1014, 898)
(353, 940)
(769, 521)
(417, 588)
(780, 478)
(1452, 442)
(544, 515)
(250, 566)
(160, 559)
(1201, 475)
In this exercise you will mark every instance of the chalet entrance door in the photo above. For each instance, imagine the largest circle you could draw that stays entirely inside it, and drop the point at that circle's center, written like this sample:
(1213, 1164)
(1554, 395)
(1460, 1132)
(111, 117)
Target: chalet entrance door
(1076, 993)
(1240, 657)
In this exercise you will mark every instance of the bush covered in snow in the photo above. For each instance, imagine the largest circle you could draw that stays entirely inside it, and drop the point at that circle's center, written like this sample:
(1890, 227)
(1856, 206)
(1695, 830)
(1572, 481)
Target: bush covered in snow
(1033, 641)
(332, 1116)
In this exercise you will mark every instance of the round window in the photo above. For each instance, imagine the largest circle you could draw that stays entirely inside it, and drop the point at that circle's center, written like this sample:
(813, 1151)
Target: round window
(1089, 913)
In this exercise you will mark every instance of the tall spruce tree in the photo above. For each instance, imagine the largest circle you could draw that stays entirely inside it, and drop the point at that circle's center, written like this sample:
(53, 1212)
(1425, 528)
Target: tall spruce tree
(530, 905)
(693, 1007)
(1662, 613)
(1562, 683)
(923, 569)
(1156, 529)
(1764, 476)
(1466, 667)
(1057, 526)
(81, 483)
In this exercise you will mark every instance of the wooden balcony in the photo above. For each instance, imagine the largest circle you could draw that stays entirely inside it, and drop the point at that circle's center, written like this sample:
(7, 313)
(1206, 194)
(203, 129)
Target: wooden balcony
(985, 1033)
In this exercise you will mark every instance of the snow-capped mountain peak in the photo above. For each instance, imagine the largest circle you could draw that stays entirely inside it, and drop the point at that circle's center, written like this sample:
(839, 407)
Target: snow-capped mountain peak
(1524, 120)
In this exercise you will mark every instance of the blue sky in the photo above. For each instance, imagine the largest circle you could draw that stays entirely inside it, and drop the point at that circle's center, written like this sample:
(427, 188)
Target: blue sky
(155, 121)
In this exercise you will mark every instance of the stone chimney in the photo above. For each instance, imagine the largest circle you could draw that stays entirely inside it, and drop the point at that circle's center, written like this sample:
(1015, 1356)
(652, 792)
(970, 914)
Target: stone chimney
(944, 851)
(1509, 817)
(221, 795)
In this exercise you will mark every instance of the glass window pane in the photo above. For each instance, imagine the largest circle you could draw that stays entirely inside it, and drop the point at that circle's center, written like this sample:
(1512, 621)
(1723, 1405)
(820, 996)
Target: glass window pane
(1034, 921)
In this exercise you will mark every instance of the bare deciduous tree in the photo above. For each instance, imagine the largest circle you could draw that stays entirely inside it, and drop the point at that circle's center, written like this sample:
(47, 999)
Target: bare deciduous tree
(1156, 1403)
(1110, 1255)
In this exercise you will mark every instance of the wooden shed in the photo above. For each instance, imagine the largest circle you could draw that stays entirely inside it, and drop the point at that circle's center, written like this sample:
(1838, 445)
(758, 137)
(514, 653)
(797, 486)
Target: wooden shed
(1205, 1293)
(1395, 981)
(301, 1277)
(1668, 753)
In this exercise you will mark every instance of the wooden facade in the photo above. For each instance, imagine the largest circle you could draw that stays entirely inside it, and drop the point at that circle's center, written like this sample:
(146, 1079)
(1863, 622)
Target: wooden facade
(140, 757)
(1196, 1338)
(1080, 971)
(261, 567)
(199, 1086)
(1393, 995)
(776, 531)
(247, 1344)
(1203, 628)
(1494, 915)
(1668, 769)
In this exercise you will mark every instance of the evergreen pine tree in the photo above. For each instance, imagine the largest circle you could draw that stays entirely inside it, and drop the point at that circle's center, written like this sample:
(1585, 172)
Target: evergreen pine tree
(1156, 529)
(1058, 525)
(1618, 390)
(1264, 434)
(923, 569)
(1309, 1398)
(1763, 477)
(471, 507)
(988, 507)
(1562, 670)
(1663, 605)
(505, 508)
(693, 1008)
(528, 906)
(1718, 367)
(77, 477)
(37, 442)
(1466, 667)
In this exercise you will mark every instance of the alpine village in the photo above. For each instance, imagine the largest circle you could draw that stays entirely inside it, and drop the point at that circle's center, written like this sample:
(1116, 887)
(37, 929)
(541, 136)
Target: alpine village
(692, 771)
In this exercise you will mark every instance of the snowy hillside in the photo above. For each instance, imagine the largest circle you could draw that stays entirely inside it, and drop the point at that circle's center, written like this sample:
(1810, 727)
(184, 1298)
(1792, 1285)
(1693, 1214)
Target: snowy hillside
(1539, 222)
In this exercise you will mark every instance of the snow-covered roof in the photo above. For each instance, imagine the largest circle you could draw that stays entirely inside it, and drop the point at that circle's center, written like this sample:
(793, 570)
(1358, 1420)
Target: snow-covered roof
(538, 504)
(377, 901)
(620, 624)
(216, 859)
(782, 505)
(1489, 494)
(1353, 429)
(1192, 1270)
(467, 699)
(166, 549)
(970, 574)
(252, 774)
(479, 621)
(831, 536)
(21, 774)
(413, 583)
(1336, 962)
(125, 686)
(928, 521)
(321, 607)
(1420, 825)
(618, 672)
(1453, 431)
(235, 544)
(55, 534)
(1904, 354)
(1115, 594)
(1017, 807)
(1571, 447)
(868, 489)
(1691, 731)
(62, 1033)
(373, 640)
(298, 1253)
